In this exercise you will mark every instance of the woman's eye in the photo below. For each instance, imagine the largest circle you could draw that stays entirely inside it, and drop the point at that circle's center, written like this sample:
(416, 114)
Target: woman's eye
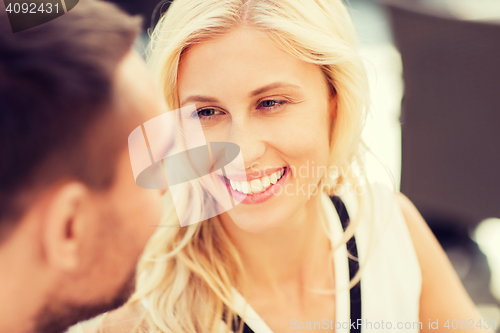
(207, 113)
(268, 104)
(271, 103)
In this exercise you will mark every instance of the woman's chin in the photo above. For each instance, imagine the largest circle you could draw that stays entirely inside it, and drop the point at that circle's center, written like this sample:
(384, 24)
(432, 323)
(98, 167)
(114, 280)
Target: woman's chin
(256, 227)
(259, 220)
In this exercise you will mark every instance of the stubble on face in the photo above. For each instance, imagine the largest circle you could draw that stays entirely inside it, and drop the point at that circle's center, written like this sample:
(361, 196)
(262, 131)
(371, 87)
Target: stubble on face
(57, 316)
(126, 214)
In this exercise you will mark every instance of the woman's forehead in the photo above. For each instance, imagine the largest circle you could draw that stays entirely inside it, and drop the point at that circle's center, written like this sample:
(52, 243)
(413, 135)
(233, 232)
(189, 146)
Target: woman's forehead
(244, 58)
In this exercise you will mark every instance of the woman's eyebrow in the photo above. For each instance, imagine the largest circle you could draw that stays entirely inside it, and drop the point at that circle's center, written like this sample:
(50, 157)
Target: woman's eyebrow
(272, 86)
(258, 91)
(199, 98)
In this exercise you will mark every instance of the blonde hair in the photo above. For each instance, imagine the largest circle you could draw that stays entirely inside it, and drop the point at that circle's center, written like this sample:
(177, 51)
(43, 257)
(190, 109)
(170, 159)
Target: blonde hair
(187, 274)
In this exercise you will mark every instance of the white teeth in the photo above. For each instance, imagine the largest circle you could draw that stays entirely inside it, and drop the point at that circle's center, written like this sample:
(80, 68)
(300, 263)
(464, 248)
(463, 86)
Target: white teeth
(244, 187)
(256, 185)
(266, 182)
(235, 185)
(276, 176)
(273, 178)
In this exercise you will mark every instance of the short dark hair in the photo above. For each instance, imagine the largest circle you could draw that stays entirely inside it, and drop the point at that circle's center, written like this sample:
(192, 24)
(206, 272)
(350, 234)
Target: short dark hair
(56, 85)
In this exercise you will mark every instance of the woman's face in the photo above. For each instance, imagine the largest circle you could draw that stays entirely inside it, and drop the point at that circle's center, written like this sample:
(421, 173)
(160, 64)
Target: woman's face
(276, 107)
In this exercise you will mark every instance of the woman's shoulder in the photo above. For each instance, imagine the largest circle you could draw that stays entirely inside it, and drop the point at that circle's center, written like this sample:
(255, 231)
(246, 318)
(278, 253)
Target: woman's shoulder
(372, 200)
(383, 233)
(128, 318)
(88, 326)
(390, 271)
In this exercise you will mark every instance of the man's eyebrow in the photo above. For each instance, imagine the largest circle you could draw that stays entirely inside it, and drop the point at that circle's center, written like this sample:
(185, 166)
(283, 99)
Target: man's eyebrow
(258, 91)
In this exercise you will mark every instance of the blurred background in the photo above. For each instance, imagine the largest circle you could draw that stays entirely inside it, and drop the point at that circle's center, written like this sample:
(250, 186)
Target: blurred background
(433, 128)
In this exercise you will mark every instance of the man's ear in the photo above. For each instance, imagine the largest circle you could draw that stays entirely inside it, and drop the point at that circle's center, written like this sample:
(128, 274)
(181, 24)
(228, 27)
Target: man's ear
(63, 225)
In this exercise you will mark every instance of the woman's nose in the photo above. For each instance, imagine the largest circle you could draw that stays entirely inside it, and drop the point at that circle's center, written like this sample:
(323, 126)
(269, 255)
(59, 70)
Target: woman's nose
(247, 135)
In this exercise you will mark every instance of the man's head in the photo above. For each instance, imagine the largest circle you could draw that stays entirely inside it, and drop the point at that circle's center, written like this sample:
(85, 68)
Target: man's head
(72, 221)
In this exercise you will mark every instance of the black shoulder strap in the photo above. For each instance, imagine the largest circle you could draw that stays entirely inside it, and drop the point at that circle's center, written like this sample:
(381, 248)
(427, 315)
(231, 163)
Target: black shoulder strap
(355, 292)
(236, 325)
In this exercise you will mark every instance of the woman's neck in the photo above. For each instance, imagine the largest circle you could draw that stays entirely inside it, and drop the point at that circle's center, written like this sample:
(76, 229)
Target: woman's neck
(296, 254)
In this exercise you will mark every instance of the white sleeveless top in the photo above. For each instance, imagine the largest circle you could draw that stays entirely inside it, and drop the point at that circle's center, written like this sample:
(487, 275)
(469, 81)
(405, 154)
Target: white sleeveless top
(391, 278)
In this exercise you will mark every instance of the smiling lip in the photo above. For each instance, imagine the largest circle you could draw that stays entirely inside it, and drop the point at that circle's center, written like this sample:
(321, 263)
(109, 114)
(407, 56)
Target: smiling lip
(262, 196)
(254, 175)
